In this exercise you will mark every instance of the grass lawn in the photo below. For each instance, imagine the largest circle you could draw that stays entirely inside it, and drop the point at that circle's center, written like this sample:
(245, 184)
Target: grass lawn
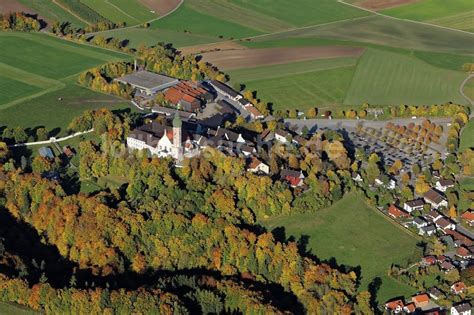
(150, 37)
(385, 78)
(13, 309)
(36, 70)
(467, 136)
(355, 235)
(467, 183)
(130, 11)
(307, 89)
(437, 12)
(186, 18)
(12, 89)
(52, 12)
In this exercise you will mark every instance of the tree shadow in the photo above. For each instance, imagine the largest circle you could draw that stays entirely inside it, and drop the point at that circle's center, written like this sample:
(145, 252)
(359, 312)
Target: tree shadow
(373, 288)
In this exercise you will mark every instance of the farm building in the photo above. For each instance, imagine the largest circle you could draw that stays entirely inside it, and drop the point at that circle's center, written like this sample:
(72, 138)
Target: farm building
(187, 96)
(148, 82)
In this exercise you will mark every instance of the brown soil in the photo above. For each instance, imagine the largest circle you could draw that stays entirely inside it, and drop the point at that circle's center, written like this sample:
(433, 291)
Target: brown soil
(248, 58)
(377, 5)
(7, 6)
(199, 49)
(161, 7)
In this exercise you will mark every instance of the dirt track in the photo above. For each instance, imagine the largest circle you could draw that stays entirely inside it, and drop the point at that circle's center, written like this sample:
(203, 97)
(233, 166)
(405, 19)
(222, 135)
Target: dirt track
(161, 7)
(248, 58)
(204, 48)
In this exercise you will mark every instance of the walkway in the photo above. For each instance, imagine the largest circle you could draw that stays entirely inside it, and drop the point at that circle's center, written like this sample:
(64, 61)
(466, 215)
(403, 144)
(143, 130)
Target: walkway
(461, 89)
(51, 140)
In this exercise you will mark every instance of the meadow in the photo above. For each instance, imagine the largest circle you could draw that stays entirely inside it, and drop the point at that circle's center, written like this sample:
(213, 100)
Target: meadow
(52, 12)
(355, 235)
(131, 12)
(457, 14)
(385, 78)
(467, 136)
(305, 84)
(38, 81)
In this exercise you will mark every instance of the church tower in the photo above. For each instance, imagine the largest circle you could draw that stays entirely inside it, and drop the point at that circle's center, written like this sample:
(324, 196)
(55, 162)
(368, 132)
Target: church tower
(177, 137)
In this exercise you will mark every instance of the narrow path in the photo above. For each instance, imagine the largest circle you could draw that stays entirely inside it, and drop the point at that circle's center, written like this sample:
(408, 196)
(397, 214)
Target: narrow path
(138, 25)
(122, 11)
(51, 140)
(70, 12)
(461, 89)
(404, 20)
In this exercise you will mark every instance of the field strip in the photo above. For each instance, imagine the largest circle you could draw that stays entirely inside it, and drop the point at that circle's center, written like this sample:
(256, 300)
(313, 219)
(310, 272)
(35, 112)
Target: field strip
(405, 20)
(138, 25)
(70, 12)
(27, 77)
(69, 48)
(282, 75)
(32, 96)
(122, 11)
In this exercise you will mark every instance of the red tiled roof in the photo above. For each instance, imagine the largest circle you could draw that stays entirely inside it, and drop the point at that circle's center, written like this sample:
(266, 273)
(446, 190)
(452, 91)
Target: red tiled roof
(254, 162)
(468, 216)
(466, 241)
(431, 260)
(458, 287)
(410, 307)
(420, 299)
(462, 252)
(396, 212)
(392, 305)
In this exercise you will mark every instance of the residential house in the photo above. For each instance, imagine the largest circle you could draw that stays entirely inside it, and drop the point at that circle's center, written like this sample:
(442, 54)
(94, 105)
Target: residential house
(293, 178)
(444, 224)
(397, 213)
(421, 300)
(257, 166)
(463, 308)
(267, 135)
(434, 215)
(409, 308)
(458, 288)
(444, 184)
(463, 253)
(299, 140)
(468, 216)
(435, 293)
(446, 266)
(428, 260)
(435, 199)
(254, 112)
(281, 135)
(413, 205)
(460, 238)
(391, 184)
(226, 135)
(427, 230)
(395, 306)
(419, 222)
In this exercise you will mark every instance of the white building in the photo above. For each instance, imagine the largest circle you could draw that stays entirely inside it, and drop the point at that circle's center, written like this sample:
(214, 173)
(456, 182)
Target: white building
(461, 309)
(257, 166)
(413, 205)
(444, 184)
(161, 140)
(435, 199)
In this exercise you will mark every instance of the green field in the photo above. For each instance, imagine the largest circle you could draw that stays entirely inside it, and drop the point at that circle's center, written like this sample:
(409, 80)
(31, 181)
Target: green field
(37, 70)
(186, 18)
(52, 12)
(384, 78)
(457, 14)
(467, 136)
(129, 11)
(357, 236)
(382, 31)
(13, 309)
(299, 85)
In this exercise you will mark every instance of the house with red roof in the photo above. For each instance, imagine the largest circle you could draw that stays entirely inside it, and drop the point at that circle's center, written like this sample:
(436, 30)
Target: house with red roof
(395, 306)
(397, 213)
(468, 216)
(257, 166)
(458, 288)
(293, 178)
